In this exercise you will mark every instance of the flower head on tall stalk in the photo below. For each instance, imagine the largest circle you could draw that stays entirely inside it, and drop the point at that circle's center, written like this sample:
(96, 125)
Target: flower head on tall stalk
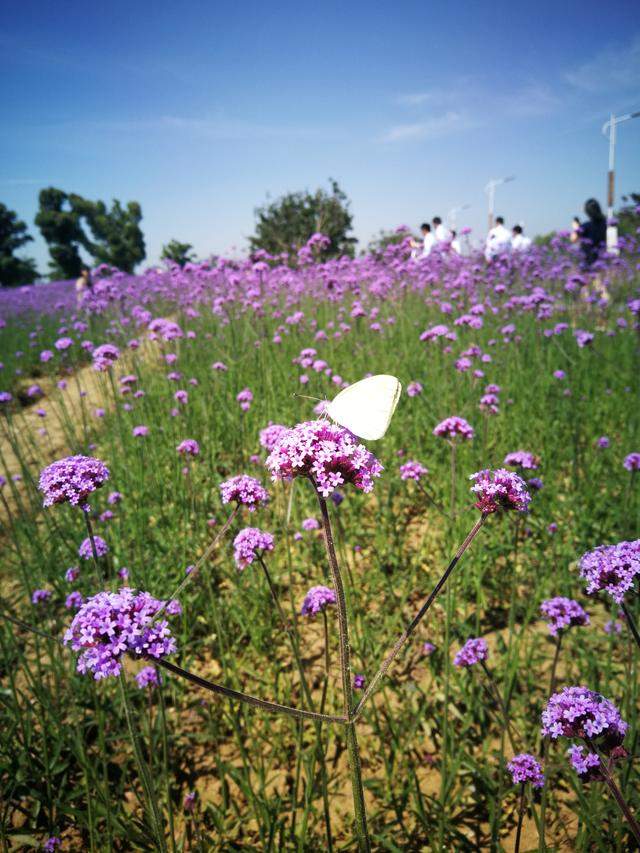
(523, 768)
(188, 447)
(328, 454)
(413, 470)
(522, 459)
(112, 624)
(611, 569)
(104, 356)
(577, 712)
(474, 651)
(270, 435)
(632, 462)
(317, 600)
(85, 551)
(245, 491)
(249, 543)
(498, 490)
(453, 428)
(72, 480)
(563, 613)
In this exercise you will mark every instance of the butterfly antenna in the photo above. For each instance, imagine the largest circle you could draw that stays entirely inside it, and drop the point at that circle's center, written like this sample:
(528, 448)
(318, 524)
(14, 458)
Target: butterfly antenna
(306, 397)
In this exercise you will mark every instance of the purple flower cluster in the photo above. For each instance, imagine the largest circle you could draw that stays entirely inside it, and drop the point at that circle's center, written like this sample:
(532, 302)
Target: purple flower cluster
(111, 624)
(86, 552)
(522, 459)
(585, 762)
(563, 613)
(104, 356)
(327, 453)
(244, 490)
(148, 677)
(525, 768)
(317, 599)
(248, 542)
(579, 712)
(632, 462)
(611, 569)
(413, 470)
(473, 651)
(454, 427)
(271, 435)
(500, 489)
(72, 480)
(41, 596)
(189, 447)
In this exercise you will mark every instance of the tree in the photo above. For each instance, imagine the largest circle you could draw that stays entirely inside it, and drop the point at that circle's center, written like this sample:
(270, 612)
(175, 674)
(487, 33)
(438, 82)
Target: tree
(117, 237)
(383, 238)
(60, 226)
(289, 221)
(67, 219)
(179, 253)
(629, 215)
(13, 235)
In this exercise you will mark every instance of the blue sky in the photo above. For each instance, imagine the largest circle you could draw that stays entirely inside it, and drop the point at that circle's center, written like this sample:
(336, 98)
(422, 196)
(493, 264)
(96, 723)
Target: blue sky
(199, 110)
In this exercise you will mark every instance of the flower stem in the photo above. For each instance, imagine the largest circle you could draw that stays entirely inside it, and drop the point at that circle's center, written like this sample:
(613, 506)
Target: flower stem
(631, 623)
(145, 777)
(516, 848)
(617, 794)
(364, 844)
(408, 631)
(94, 550)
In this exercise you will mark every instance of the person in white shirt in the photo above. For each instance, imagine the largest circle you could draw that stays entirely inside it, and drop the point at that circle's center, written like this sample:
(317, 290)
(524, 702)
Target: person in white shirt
(498, 240)
(442, 233)
(428, 242)
(519, 243)
(456, 246)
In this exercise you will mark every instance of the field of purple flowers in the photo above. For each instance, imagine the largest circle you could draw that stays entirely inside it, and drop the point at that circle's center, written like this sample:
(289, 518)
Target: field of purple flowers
(227, 623)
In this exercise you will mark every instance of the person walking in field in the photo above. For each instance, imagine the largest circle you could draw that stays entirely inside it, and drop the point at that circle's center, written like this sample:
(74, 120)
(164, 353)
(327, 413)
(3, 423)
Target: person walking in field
(519, 243)
(83, 285)
(442, 233)
(428, 242)
(592, 233)
(498, 240)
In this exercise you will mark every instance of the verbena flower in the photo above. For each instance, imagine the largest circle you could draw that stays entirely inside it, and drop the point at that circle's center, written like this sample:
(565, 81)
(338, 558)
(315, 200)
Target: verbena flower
(104, 356)
(632, 462)
(428, 648)
(85, 551)
(140, 431)
(327, 453)
(248, 542)
(358, 682)
(473, 651)
(245, 490)
(317, 599)
(526, 768)
(73, 601)
(500, 489)
(148, 677)
(72, 480)
(112, 624)
(245, 398)
(454, 427)
(611, 568)
(584, 762)
(582, 713)
(413, 470)
(563, 613)
(310, 524)
(51, 844)
(270, 435)
(189, 447)
(522, 459)
(40, 596)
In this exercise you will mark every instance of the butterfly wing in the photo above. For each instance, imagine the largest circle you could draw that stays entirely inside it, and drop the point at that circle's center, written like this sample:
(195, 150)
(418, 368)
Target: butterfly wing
(366, 407)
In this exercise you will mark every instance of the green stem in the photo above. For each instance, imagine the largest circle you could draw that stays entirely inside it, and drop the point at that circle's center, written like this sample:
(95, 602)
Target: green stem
(145, 777)
(364, 843)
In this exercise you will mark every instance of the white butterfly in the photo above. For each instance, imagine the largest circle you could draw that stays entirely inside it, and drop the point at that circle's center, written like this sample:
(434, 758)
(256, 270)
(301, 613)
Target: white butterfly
(366, 407)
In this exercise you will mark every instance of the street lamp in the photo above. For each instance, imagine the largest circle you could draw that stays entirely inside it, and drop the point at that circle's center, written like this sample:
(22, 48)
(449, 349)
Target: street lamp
(609, 127)
(490, 190)
(451, 216)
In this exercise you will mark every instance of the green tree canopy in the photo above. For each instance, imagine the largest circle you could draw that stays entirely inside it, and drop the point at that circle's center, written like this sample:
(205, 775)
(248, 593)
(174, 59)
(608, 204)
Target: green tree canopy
(60, 226)
(289, 221)
(13, 235)
(629, 215)
(69, 222)
(180, 253)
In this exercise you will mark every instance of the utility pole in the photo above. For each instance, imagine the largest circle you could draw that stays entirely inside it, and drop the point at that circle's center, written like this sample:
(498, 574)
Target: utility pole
(490, 190)
(609, 127)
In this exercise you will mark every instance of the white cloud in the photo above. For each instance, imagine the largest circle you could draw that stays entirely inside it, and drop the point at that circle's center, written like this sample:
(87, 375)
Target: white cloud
(614, 68)
(414, 99)
(532, 100)
(430, 128)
